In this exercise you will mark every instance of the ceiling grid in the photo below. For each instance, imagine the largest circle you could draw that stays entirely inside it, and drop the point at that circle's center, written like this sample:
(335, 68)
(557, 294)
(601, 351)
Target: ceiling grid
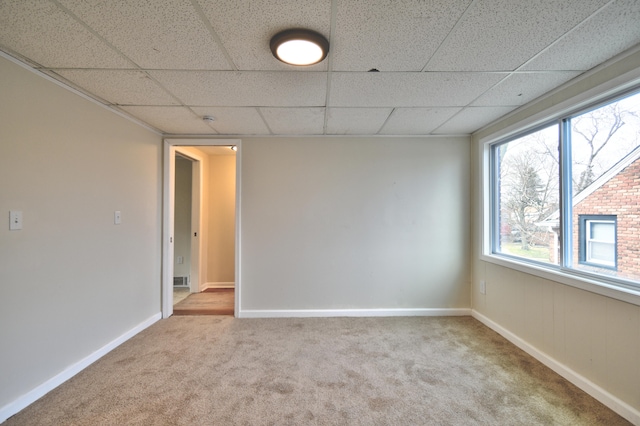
(407, 67)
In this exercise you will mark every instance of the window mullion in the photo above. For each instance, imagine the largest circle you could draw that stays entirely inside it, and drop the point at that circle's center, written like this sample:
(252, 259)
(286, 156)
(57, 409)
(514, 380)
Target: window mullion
(566, 197)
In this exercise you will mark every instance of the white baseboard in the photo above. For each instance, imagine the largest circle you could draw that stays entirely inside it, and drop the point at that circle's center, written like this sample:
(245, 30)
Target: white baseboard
(218, 285)
(38, 392)
(320, 313)
(614, 403)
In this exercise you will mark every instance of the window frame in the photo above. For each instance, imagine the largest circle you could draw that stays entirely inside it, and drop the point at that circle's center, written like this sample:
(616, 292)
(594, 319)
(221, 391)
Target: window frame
(561, 113)
(583, 239)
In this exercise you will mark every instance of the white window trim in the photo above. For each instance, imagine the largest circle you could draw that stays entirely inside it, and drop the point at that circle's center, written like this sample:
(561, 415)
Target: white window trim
(573, 278)
(588, 257)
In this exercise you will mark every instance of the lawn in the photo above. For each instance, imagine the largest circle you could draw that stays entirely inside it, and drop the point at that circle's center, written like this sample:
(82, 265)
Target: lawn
(541, 253)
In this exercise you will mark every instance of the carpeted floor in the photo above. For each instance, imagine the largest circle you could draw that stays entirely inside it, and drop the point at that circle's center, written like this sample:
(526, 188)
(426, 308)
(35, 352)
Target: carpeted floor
(204, 370)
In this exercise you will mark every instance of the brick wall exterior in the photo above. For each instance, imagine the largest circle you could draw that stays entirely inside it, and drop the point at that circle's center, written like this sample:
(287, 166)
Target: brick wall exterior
(619, 196)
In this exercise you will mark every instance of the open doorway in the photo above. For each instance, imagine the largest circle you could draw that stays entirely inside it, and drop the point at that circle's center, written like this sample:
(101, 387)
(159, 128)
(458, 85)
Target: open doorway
(184, 178)
(210, 263)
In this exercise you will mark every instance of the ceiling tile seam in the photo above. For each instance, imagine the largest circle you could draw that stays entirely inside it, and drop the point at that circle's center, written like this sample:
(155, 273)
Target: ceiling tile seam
(30, 62)
(214, 34)
(78, 88)
(566, 34)
(95, 33)
(264, 120)
(238, 72)
(393, 110)
(111, 46)
(59, 81)
(433, 131)
(458, 22)
(200, 118)
(327, 95)
(507, 75)
(161, 86)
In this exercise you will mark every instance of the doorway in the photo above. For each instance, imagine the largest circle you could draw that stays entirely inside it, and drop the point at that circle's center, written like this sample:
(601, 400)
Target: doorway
(196, 258)
(182, 225)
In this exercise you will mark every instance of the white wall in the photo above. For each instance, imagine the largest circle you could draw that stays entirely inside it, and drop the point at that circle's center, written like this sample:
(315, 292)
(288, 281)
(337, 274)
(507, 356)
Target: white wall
(71, 281)
(346, 223)
(591, 335)
(221, 197)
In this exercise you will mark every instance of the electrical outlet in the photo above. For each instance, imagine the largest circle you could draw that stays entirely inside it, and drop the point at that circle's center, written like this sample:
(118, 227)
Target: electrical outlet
(483, 287)
(180, 260)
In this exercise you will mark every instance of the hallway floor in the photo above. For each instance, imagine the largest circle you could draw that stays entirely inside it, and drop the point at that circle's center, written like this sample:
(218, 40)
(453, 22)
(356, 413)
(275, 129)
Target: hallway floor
(219, 301)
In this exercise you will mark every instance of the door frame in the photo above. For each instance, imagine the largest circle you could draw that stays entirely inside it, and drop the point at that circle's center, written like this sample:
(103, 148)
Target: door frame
(168, 202)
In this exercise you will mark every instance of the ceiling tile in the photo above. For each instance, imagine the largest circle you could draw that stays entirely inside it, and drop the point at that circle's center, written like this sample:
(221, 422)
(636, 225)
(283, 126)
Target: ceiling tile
(471, 119)
(408, 89)
(294, 121)
(49, 37)
(371, 34)
(245, 88)
(120, 87)
(155, 34)
(612, 30)
(356, 121)
(245, 27)
(170, 119)
(416, 121)
(520, 88)
(234, 121)
(500, 35)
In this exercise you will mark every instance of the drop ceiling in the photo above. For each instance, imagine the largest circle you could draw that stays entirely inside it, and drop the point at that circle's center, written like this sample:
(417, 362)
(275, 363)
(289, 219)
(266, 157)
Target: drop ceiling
(444, 66)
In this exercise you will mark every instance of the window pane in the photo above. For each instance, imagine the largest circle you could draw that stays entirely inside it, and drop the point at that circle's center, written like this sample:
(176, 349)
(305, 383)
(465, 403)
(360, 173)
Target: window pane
(602, 252)
(528, 192)
(603, 231)
(605, 162)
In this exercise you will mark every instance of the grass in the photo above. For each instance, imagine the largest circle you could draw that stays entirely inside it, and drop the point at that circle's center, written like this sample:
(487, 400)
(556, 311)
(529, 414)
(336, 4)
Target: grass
(541, 253)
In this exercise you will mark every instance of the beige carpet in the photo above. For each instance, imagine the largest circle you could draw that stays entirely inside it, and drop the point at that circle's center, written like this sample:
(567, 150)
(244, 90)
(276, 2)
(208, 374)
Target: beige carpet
(213, 370)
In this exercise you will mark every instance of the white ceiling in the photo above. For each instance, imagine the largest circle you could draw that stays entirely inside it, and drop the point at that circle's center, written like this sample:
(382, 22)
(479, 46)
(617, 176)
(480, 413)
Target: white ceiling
(446, 67)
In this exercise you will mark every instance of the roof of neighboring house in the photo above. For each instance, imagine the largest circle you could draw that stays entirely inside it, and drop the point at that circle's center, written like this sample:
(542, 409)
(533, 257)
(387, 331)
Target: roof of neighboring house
(553, 220)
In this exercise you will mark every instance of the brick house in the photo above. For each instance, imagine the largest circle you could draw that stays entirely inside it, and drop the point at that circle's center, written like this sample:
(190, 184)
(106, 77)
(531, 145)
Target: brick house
(606, 221)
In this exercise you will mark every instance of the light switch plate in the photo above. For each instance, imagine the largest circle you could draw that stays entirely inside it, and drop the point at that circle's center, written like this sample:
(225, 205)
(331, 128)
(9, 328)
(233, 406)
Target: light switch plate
(15, 220)
(117, 217)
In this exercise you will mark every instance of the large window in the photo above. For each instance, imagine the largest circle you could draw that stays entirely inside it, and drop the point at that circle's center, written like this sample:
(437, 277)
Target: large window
(566, 195)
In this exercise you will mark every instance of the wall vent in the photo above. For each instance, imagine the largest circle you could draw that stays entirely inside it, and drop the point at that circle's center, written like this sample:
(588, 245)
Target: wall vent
(180, 282)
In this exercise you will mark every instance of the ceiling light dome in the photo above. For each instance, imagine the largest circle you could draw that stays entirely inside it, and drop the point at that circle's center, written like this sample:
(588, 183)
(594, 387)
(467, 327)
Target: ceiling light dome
(299, 47)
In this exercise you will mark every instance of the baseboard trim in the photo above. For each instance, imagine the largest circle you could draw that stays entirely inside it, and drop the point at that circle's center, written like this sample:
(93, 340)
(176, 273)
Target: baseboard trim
(30, 397)
(326, 313)
(614, 403)
(218, 285)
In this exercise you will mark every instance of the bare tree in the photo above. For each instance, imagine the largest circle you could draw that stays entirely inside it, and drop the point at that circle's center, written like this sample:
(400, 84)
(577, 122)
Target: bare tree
(597, 129)
(523, 196)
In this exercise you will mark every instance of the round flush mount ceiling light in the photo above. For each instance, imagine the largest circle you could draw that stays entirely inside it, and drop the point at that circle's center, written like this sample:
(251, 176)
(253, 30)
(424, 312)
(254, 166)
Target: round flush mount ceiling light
(299, 47)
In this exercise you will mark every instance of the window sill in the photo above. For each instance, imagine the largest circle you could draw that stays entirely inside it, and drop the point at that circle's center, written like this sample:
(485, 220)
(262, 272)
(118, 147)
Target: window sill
(602, 288)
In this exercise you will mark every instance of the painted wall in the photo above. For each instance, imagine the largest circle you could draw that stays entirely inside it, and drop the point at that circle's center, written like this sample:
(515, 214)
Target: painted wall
(595, 336)
(71, 281)
(182, 218)
(347, 223)
(221, 219)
